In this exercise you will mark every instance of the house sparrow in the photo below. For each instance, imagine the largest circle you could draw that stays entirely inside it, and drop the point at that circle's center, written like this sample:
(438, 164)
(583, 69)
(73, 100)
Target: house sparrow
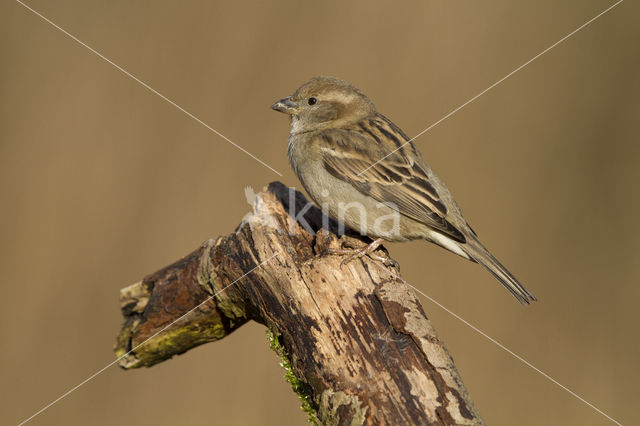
(364, 171)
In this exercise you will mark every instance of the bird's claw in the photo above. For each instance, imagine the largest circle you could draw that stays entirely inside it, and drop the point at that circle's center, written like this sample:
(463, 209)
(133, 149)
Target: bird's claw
(366, 251)
(385, 260)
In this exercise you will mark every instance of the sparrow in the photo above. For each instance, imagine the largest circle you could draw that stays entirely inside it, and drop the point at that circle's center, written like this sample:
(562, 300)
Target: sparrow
(365, 171)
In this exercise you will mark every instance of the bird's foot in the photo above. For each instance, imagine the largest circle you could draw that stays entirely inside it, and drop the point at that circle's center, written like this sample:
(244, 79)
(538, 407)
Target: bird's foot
(368, 250)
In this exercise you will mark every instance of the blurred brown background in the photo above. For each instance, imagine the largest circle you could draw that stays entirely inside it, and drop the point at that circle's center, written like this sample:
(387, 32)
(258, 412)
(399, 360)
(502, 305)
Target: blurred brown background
(102, 182)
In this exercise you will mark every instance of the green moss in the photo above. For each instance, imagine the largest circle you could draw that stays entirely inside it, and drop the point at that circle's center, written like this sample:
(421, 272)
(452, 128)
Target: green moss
(169, 343)
(178, 340)
(297, 385)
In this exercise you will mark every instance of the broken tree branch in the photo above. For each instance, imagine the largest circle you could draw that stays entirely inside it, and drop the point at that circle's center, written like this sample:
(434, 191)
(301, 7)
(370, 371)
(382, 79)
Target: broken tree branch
(357, 346)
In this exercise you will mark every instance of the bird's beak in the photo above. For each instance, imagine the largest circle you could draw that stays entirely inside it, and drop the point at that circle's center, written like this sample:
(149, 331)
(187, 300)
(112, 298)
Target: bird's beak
(286, 106)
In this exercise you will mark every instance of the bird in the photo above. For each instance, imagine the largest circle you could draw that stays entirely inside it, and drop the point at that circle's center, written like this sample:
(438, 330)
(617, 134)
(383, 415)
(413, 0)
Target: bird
(366, 173)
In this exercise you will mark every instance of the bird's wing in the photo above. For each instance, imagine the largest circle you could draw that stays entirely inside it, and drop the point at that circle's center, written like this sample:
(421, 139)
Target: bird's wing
(351, 155)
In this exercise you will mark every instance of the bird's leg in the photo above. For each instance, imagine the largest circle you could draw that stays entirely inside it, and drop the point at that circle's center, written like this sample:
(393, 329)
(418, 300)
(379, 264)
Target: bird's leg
(366, 251)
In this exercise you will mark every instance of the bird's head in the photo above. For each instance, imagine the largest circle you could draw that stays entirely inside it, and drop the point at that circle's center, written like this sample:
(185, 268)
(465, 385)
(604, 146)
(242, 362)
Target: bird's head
(324, 102)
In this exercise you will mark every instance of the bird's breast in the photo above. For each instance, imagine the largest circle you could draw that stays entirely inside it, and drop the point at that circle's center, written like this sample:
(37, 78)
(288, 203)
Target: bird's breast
(342, 201)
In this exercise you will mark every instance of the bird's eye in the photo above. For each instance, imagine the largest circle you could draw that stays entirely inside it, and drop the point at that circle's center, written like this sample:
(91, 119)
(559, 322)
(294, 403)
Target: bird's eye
(312, 101)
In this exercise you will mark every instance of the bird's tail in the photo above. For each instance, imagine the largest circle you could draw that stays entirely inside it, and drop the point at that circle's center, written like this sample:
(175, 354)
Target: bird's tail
(481, 255)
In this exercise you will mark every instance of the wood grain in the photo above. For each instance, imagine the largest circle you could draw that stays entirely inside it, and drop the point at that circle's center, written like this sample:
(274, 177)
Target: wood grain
(356, 340)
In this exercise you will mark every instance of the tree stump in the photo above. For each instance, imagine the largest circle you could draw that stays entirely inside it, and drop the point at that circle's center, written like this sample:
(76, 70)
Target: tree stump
(356, 344)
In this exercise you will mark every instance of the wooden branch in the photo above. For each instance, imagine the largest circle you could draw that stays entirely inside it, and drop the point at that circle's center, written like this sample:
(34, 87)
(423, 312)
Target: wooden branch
(357, 346)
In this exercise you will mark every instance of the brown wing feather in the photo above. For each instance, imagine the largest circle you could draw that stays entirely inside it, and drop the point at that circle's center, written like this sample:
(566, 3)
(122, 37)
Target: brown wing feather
(395, 180)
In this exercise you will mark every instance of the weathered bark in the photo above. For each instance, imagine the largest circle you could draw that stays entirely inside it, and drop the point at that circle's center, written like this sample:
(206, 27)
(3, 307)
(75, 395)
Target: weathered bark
(356, 343)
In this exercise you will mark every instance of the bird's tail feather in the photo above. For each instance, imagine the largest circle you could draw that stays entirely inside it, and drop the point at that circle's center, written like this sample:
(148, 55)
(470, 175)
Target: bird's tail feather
(481, 255)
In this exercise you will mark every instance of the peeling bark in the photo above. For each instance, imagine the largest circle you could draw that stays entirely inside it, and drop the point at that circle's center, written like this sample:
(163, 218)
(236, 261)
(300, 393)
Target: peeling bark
(358, 347)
